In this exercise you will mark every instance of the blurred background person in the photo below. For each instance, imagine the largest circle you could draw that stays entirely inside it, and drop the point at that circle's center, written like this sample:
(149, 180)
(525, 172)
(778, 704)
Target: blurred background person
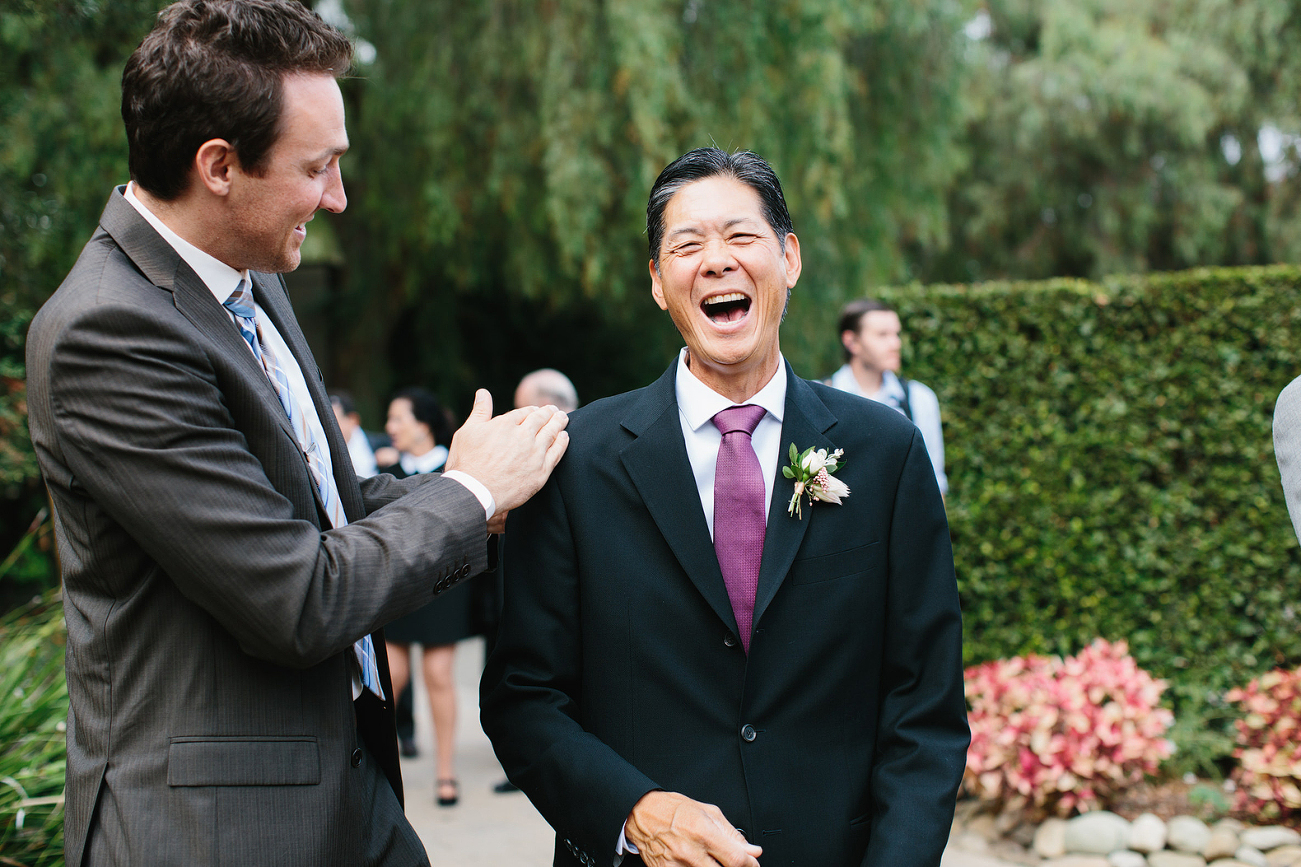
(546, 387)
(872, 337)
(359, 442)
(420, 431)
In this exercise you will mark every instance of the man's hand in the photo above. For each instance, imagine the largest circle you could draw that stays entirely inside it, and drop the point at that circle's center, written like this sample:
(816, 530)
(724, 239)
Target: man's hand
(671, 830)
(511, 455)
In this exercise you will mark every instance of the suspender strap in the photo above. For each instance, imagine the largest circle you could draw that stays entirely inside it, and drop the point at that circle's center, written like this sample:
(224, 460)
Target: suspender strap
(906, 403)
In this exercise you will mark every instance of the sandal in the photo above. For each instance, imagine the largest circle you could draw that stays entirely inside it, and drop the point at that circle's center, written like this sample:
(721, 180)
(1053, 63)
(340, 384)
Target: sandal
(456, 792)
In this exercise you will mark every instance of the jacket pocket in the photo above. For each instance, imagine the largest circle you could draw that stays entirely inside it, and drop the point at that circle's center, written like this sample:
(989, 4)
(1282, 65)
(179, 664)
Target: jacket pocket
(853, 561)
(235, 761)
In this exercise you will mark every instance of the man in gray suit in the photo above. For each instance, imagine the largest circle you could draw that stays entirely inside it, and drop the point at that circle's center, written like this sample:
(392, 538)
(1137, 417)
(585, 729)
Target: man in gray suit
(225, 574)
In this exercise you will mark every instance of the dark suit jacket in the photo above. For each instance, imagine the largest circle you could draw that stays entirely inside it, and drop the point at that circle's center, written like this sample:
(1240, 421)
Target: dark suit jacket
(840, 740)
(210, 620)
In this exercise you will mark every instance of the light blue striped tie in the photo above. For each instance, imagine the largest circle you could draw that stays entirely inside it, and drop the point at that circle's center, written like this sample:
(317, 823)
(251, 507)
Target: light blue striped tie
(240, 303)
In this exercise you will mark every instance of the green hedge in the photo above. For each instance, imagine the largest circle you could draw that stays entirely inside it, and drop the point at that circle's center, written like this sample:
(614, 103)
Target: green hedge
(1111, 466)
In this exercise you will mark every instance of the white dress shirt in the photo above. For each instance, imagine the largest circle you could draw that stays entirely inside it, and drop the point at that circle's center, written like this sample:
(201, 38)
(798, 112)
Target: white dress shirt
(222, 281)
(697, 406)
(922, 401)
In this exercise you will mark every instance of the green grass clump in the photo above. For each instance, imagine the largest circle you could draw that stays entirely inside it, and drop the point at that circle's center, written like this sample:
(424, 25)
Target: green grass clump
(33, 746)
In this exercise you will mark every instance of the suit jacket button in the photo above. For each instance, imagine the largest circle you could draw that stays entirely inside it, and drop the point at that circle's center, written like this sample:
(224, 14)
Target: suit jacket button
(729, 640)
(748, 734)
(356, 758)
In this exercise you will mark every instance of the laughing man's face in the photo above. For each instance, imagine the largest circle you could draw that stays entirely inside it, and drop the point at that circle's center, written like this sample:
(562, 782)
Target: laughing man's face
(723, 277)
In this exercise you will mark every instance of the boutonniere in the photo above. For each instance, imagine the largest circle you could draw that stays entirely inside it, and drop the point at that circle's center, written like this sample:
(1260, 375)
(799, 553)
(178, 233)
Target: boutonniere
(812, 474)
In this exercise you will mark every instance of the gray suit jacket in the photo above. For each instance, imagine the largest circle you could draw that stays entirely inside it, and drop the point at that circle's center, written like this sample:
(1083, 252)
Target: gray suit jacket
(210, 620)
(1287, 447)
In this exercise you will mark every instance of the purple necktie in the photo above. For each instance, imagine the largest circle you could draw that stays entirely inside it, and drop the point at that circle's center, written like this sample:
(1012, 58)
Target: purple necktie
(740, 512)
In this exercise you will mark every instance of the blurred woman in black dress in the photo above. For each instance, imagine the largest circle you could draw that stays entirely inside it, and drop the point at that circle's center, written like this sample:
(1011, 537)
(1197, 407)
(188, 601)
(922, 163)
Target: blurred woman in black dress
(420, 431)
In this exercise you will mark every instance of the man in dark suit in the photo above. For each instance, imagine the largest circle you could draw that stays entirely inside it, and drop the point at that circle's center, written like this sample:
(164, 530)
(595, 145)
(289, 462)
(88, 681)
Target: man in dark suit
(225, 574)
(790, 689)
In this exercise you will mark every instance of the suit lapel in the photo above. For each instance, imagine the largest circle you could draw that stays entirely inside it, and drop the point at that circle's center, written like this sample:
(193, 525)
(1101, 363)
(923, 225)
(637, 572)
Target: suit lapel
(165, 268)
(805, 424)
(657, 463)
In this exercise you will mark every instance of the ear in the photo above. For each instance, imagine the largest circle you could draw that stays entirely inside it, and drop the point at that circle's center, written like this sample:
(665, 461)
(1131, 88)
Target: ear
(793, 263)
(215, 162)
(849, 340)
(657, 286)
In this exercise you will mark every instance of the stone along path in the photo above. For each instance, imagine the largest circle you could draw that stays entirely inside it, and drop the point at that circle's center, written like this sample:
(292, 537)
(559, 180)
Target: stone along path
(486, 829)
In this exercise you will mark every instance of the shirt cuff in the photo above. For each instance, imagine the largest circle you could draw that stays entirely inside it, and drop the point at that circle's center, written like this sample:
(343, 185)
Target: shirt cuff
(624, 846)
(476, 487)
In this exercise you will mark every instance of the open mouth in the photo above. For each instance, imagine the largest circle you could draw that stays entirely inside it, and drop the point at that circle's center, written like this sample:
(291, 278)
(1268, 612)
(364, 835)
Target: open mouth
(722, 309)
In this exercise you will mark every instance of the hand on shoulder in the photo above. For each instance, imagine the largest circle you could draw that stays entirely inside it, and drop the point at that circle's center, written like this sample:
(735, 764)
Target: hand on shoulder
(513, 454)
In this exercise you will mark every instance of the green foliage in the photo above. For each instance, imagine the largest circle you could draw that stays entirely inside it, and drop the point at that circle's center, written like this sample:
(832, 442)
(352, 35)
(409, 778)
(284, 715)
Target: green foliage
(508, 149)
(33, 752)
(1111, 468)
(1108, 136)
(63, 145)
(17, 460)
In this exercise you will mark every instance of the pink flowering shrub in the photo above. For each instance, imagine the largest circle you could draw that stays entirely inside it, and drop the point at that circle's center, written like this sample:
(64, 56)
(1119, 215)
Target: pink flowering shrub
(1060, 735)
(1269, 745)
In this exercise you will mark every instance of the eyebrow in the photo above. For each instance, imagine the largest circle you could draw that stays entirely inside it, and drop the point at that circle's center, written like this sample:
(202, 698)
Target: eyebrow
(694, 230)
(331, 152)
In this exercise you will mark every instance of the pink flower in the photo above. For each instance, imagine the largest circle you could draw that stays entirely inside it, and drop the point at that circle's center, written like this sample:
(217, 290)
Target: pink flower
(1079, 728)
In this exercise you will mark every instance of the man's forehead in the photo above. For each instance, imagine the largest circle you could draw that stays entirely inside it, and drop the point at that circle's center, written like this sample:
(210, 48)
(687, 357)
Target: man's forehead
(717, 201)
(881, 319)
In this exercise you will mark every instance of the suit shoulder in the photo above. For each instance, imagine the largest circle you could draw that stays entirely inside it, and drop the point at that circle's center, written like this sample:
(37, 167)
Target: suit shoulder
(606, 411)
(103, 278)
(597, 425)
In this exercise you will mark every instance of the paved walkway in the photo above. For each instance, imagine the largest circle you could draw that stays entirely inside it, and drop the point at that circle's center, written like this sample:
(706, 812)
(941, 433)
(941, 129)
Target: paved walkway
(486, 829)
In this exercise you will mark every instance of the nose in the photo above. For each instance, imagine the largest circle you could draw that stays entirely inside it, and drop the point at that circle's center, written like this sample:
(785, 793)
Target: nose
(334, 199)
(717, 259)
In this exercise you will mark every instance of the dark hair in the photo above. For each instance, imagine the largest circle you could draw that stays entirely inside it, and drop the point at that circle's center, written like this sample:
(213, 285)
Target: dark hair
(750, 169)
(427, 410)
(215, 69)
(344, 401)
(851, 316)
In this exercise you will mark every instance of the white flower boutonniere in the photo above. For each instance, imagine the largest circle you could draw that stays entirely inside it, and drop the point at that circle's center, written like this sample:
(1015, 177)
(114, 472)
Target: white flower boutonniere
(811, 472)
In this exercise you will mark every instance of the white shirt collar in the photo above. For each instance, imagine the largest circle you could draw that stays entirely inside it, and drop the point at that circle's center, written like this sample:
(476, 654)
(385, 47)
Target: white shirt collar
(699, 403)
(220, 278)
(426, 463)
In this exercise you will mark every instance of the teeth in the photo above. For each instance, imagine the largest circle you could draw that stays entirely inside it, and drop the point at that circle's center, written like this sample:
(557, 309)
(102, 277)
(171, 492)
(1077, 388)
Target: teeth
(723, 299)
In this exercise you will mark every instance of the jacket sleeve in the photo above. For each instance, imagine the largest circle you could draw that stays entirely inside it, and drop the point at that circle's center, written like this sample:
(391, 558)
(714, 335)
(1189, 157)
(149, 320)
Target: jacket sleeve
(142, 426)
(922, 727)
(531, 701)
(1287, 448)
